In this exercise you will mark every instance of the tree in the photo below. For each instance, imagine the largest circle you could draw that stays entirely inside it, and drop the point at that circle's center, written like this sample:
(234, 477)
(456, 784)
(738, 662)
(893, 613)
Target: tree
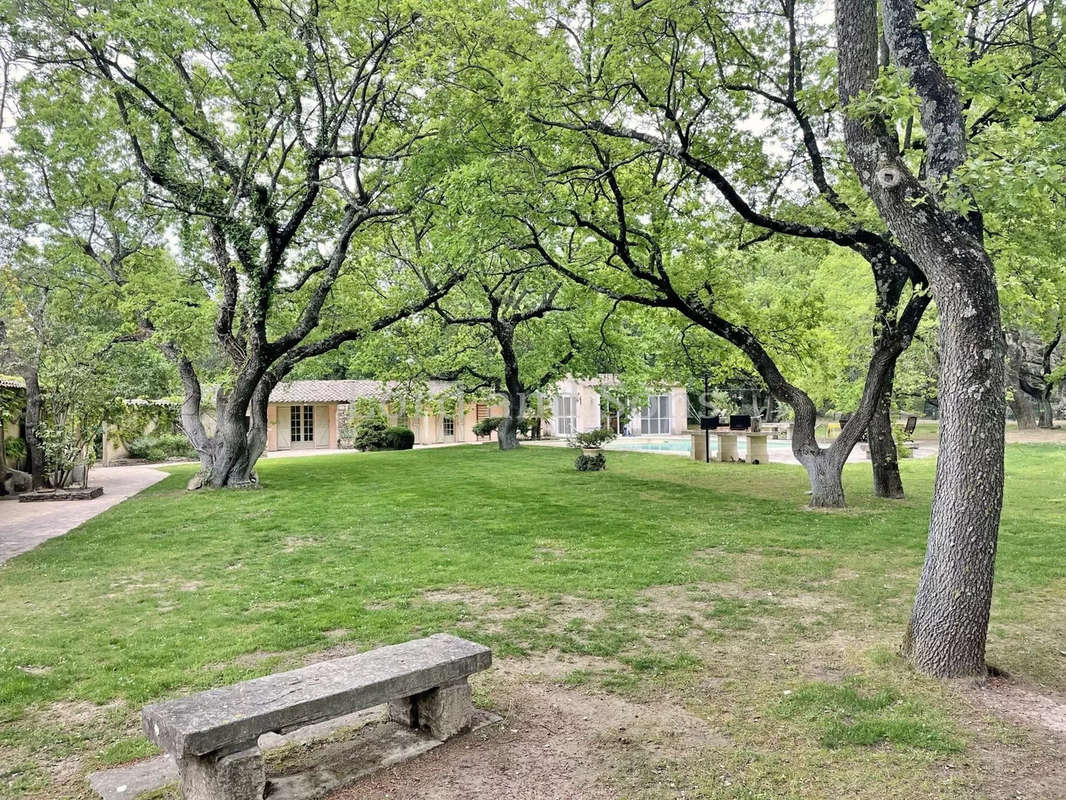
(949, 623)
(273, 136)
(646, 89)
(503, 304)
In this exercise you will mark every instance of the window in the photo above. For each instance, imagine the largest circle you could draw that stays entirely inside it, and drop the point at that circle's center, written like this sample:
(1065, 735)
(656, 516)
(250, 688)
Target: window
(302, 423)
(565, 413)
(449, 426)
(655, 416)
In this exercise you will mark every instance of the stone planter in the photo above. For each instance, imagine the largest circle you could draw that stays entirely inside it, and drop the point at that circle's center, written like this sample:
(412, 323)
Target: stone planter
(47, 495)
(591, 451)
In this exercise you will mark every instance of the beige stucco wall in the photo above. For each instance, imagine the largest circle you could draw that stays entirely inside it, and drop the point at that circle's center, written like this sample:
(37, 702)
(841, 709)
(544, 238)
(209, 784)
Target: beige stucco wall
(589, 402)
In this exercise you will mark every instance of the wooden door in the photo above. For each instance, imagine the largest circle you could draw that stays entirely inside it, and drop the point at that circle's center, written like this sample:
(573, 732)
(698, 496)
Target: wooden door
(321, 426)
(284, 428)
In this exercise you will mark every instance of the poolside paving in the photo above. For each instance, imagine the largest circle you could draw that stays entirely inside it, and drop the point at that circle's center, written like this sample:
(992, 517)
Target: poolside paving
(23, 526)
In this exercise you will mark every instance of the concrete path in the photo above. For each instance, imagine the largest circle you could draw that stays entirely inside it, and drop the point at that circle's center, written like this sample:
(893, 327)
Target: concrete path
(23, 526)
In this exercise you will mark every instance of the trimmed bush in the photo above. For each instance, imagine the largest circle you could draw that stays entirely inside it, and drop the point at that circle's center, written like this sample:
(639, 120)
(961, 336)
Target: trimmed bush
(399, 438)
(370, 434)
(374, 434)
(487, 426)
(490, 424)
(596, 438)
(591, 463)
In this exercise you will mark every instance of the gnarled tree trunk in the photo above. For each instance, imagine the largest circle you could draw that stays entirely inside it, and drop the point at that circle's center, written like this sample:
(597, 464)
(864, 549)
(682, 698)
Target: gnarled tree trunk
(1022, 406)
(507, 433)
(34, 416)
(882, 440)
(949, 623)
(1021, 403)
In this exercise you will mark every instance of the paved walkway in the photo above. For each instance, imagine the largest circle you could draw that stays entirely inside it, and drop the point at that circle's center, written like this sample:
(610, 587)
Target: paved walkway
(23, 526)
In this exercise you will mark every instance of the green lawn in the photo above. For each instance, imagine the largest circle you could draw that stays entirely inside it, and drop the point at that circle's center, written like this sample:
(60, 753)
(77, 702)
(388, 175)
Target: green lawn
(661, 573)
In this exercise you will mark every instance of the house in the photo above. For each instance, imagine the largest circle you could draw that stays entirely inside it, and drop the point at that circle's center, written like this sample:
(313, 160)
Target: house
(314, 413)
(307, 414)
(579, 405)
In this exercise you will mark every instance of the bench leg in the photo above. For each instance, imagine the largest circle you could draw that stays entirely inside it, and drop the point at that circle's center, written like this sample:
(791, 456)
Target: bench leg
(444, 711)
(232, 776)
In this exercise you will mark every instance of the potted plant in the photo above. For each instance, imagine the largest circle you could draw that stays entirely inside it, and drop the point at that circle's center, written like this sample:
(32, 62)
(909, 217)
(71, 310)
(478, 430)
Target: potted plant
(591, 443)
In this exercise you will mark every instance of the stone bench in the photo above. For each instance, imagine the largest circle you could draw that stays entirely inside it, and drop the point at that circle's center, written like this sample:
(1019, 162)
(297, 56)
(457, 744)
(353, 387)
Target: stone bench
(213, 735)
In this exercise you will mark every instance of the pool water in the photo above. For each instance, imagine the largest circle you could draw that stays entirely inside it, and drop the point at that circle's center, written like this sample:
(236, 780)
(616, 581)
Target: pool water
(684, 446)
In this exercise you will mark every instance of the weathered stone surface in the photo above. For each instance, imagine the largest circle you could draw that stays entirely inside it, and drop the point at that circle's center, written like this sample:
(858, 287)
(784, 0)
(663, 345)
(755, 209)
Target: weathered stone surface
(48, 495)
(446, 710)
(221, 718)
(236, 776)
(19, 481)
(405, 711)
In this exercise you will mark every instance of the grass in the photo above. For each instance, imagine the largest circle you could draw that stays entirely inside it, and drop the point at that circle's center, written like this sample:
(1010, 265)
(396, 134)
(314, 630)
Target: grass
(661, 573)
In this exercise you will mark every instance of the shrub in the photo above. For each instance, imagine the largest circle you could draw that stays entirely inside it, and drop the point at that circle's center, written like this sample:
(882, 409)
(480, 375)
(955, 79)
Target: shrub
(487, 426)
(399, 438)
(903, 441)
(596, 438)
(370, 434)
(594, 463)
(161, 447)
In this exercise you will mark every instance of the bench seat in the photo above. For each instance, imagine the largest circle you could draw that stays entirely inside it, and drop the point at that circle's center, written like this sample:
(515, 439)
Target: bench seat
(213, 734)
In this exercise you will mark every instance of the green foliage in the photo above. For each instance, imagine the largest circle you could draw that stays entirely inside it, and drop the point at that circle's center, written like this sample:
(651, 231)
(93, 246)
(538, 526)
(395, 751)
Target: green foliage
(64, 448)
(593, 463)
(903, 440)
(14, 449)
(594, 438)
(399, 438)
(487, 426)
(370, 434)
(159, 447)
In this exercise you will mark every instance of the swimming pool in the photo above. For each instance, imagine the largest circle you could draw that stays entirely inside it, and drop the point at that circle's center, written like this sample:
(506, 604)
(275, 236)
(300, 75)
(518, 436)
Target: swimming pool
(683, 446)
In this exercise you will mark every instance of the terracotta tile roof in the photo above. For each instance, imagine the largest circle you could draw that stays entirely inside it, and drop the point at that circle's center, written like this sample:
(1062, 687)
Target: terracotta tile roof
(11, 382)
(345, 391)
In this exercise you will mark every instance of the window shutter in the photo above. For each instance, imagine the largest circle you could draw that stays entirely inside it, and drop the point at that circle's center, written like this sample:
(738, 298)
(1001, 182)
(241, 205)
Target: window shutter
(284, 427)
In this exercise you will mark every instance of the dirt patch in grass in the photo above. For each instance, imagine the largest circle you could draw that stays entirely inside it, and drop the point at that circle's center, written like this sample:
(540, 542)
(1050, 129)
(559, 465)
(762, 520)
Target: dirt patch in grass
(34, 669)
(336, 651)
(553, 666)
(1033, 709)
(489, 613)
(553, 744)
(692, 599)
(77, 713)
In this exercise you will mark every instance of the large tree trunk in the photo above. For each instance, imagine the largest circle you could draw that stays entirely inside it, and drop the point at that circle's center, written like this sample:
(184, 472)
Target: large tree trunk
(228, 458)
(34, 416)
(1047, 412)
(825, 470)
(1021, 403)
(1022, 406)
(883, 455)
(949, 624)
(507, 433)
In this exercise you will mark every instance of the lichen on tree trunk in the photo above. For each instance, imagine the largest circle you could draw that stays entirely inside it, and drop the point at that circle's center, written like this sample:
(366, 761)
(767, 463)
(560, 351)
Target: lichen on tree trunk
(949, 624)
